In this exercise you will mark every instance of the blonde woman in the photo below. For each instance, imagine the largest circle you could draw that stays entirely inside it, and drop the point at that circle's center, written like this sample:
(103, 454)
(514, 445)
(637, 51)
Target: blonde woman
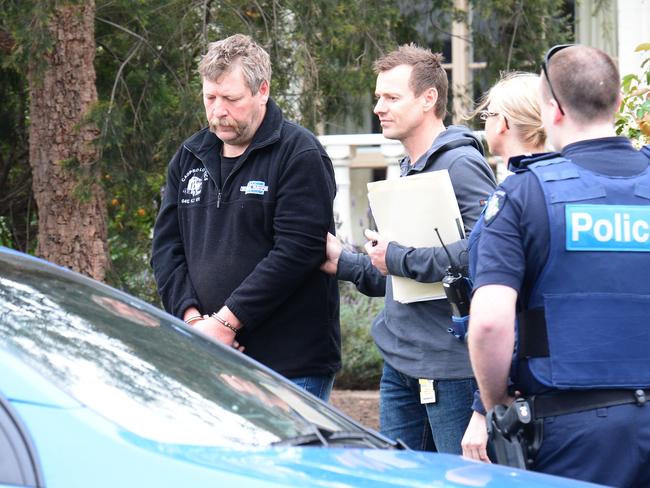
(514, 132)
(510, 110)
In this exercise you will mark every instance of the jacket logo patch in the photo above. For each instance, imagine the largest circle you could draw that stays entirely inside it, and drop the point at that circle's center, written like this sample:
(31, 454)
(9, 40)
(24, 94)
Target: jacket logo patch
(254, 187)
(194, 186)
(194, 179)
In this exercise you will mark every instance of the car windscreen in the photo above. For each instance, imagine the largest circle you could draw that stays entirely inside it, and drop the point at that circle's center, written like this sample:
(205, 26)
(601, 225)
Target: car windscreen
(142, 369)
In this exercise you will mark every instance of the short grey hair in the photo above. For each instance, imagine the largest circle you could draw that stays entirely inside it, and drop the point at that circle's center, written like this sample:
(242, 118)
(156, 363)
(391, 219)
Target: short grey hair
(237, 50)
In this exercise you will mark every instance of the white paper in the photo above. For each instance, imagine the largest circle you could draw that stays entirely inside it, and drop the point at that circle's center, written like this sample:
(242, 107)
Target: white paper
(408, 210)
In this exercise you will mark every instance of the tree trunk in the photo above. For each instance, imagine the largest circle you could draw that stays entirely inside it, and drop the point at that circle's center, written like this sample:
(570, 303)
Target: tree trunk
(72, 229)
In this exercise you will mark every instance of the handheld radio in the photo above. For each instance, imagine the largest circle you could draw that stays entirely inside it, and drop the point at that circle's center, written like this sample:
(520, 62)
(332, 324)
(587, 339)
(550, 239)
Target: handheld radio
(458, 291)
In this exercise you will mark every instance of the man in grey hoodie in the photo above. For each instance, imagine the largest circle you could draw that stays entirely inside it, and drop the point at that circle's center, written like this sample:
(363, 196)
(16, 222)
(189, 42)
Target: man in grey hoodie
(427, 387)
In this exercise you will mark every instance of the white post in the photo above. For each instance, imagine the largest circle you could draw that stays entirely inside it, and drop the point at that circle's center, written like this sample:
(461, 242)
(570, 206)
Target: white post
(340, 156)
(392, 154)
(460, 57)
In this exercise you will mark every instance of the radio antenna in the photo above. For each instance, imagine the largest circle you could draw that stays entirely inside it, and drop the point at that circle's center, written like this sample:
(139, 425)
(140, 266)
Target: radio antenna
(451, 261)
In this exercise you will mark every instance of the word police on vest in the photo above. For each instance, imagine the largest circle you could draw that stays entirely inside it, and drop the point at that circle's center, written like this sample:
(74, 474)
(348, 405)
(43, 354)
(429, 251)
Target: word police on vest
(607, 228)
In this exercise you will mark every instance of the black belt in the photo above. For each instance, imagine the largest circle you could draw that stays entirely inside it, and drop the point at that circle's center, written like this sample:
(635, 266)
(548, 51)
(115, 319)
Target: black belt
(572, 401)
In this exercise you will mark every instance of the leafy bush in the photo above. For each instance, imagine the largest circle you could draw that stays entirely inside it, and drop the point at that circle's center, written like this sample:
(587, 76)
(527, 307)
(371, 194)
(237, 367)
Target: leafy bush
(362, 363)
(633, 118)
(5, 233)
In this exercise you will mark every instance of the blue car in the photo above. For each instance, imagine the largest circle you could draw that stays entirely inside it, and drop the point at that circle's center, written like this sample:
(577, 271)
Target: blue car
(99, 389)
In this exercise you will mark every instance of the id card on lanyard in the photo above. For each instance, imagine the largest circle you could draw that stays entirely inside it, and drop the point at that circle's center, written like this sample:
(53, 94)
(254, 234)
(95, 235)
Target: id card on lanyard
(427, 391)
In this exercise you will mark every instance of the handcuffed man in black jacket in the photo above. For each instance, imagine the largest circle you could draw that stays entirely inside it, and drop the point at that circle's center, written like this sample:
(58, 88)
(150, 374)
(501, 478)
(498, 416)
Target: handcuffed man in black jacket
(241, 232)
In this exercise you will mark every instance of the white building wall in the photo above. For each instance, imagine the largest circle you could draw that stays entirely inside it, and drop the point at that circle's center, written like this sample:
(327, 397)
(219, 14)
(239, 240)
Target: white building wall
(596, 25)
(615, 26)
(633, 29)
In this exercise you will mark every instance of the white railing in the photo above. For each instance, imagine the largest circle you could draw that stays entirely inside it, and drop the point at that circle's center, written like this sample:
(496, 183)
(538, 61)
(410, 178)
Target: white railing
(354, 156)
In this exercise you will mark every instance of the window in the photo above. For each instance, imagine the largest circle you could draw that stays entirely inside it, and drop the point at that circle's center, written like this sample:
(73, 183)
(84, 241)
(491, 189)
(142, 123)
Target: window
(18, 464)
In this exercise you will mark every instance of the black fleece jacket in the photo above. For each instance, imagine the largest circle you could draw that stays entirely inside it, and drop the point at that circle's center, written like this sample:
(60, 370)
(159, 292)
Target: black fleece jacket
(255, 243)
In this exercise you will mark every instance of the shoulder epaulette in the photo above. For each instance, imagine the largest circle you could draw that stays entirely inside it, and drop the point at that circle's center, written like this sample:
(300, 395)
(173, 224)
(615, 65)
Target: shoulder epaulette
(547, 160)
(541, 159)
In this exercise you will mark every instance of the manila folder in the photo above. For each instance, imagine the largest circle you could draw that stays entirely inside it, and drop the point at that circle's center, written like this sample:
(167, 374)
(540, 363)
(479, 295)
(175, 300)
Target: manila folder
(408, 210)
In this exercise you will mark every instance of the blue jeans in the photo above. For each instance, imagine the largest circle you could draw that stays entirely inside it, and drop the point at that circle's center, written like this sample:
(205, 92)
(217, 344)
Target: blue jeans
(320, 386)
(435, 426)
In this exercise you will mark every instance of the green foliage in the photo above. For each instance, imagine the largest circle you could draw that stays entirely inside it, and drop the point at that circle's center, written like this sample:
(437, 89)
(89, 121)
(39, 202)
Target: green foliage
(515, 35)
(149, 103)
(362, 363)
(17, 209)
(146, 56)
(633, 118)
(518, 26)
(130, 230)
(25, 22)
(330, 56)
(5, 233)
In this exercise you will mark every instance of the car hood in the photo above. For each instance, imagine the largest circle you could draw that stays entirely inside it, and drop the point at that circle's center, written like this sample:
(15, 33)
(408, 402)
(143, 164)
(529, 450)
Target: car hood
(374, 468)
(108, 456)
(25, 385)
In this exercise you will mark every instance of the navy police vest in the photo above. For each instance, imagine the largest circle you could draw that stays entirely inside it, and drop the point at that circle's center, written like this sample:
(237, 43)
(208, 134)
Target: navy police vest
(594, 289)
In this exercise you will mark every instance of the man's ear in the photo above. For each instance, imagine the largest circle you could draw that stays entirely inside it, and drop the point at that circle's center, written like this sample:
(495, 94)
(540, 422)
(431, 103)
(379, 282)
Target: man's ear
(430, 96)
(557, 113)
(264, 91)
(619, 102)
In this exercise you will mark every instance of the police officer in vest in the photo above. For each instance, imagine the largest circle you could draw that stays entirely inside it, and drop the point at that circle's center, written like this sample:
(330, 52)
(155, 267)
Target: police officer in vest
(563, 279)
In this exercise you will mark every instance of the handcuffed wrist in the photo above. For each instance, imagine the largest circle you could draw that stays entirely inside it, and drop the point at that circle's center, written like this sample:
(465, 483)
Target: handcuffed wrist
(193, 318)
(224, 322)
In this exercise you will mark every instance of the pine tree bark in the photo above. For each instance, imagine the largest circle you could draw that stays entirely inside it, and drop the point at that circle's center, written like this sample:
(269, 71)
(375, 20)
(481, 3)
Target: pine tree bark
(72, 229)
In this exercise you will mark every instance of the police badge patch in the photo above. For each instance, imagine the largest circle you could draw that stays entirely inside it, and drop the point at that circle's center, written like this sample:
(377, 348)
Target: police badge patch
(494, 205)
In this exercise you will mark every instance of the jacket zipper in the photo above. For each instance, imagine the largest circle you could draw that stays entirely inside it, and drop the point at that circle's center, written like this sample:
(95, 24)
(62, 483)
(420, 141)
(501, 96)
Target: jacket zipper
(237, 166)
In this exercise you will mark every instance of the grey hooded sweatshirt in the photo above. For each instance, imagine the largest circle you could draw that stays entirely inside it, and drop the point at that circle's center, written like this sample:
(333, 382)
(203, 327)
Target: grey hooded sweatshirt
(413, 337)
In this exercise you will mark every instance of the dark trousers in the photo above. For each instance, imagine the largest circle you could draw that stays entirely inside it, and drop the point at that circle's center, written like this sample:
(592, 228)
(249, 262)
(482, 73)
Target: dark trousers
(610, 446)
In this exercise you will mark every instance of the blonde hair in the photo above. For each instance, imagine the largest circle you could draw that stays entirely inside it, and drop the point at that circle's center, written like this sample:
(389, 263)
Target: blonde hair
(515, 96)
